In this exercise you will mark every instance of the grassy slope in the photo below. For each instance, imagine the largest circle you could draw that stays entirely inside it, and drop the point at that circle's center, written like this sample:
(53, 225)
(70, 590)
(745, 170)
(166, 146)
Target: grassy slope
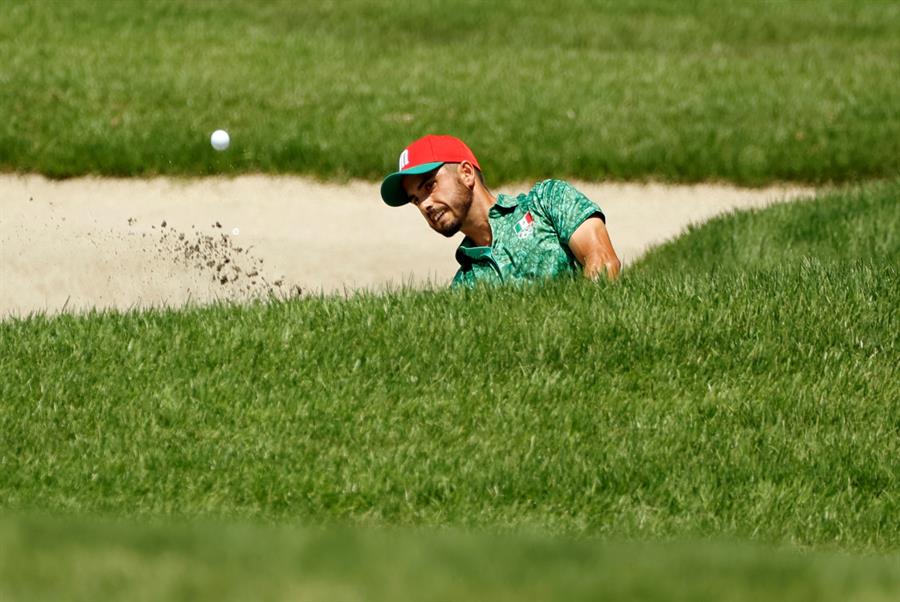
(846, 226)
(761, 404)
(672, 90)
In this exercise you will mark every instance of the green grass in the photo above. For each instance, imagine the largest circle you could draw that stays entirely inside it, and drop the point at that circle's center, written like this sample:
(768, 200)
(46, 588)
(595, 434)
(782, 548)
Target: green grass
(856, 224)
(760, 403)
(45, 559)
(681, 91)
(723, 424)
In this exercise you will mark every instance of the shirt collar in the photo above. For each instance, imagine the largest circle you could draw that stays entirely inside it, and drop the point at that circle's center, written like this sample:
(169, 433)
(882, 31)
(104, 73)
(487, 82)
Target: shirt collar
(466, 252)
(504, 203)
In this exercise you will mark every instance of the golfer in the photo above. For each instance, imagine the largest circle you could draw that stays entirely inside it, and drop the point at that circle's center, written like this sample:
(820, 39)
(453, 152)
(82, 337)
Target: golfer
(552, 230)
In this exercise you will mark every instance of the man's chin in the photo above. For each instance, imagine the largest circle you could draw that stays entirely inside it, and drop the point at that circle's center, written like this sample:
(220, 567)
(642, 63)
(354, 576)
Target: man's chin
(449, 230)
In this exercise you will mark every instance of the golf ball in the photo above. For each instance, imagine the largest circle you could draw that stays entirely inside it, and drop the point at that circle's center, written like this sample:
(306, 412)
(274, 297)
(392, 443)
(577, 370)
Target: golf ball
(220, 140)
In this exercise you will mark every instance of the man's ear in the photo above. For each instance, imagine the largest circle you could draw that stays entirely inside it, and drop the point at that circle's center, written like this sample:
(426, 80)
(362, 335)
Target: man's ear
(467, 174)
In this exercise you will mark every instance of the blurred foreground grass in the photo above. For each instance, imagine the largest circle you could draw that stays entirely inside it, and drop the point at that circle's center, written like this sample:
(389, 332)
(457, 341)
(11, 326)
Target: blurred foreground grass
(85, 559)
(680, 91)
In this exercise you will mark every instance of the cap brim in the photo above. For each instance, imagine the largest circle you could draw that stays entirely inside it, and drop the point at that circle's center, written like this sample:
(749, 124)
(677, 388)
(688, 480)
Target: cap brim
(392, 191)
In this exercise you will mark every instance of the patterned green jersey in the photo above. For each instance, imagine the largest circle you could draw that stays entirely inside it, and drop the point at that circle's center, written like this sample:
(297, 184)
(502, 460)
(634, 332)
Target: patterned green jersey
(530, 236)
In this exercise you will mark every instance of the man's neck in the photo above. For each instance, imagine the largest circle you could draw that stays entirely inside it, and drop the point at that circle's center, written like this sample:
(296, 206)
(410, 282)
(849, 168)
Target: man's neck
(477, 226)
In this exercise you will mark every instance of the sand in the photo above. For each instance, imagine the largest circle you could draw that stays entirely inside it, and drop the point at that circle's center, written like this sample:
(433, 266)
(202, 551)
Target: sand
(85, 243)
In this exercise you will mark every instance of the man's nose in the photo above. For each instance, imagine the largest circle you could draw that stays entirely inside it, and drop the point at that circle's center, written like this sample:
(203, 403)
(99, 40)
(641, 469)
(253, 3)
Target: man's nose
(426, 205)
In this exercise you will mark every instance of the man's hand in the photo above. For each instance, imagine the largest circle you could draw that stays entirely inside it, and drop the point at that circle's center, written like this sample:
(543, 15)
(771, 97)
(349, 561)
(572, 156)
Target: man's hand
(592, 248)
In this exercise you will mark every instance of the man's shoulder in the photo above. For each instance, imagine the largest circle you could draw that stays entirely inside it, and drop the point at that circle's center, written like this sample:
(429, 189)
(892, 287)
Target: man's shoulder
(552, 187)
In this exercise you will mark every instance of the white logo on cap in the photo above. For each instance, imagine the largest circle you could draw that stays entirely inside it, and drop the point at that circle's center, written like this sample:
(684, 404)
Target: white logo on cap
(404, 159)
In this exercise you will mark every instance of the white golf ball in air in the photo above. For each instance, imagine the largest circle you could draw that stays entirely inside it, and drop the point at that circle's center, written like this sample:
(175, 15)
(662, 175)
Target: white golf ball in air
(220, 140)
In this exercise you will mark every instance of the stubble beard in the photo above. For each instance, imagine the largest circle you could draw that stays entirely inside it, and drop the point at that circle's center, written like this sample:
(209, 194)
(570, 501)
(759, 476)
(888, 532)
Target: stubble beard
(462, 201)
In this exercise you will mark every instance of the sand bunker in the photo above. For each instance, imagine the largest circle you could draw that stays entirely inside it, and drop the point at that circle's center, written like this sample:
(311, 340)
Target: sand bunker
(94, 242)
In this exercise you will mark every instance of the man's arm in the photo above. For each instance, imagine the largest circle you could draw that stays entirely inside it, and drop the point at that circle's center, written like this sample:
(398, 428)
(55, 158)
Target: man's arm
(592, 248)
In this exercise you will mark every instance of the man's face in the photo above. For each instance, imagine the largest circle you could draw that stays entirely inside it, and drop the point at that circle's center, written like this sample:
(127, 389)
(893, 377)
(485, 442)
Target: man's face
(441, 197)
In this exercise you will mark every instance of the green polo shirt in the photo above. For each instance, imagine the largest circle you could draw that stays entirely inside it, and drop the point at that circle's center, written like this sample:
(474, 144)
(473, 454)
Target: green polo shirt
(530, 236)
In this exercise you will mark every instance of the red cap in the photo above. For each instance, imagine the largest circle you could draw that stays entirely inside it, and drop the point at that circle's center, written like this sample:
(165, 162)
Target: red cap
(424, 155)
